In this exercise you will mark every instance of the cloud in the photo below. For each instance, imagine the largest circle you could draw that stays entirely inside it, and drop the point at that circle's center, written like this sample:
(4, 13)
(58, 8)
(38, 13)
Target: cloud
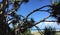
(47, 24)
(52, 24)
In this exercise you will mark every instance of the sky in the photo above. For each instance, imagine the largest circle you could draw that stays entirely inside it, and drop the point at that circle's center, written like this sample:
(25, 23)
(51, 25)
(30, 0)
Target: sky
(32, 5)
(26, 8)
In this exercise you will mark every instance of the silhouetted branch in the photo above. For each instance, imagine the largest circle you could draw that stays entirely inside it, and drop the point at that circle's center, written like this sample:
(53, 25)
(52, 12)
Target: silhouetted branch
(19, 5)
(41, 20)
(39, 30)
(50, 21)
(37, 10)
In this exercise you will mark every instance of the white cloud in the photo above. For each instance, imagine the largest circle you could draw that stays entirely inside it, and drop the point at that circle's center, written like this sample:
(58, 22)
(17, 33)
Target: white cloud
(47, 24)
(52, 24)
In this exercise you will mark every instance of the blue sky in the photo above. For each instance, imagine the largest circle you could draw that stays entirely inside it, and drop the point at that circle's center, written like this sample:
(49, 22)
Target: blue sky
(34, 4)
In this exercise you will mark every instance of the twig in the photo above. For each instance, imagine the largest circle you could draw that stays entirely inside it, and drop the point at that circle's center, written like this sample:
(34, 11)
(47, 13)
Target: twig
(40, 21)
(37, 10)
(39, 30)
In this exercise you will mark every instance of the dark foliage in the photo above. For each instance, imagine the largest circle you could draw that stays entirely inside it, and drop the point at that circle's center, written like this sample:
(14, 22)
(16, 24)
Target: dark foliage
(26, 0)
(58, 20)
(49, 31)
(56, 11)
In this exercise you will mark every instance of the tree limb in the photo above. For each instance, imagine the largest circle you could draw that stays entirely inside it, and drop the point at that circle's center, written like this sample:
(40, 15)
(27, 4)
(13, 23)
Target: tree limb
(37, 10)
(40, 21)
